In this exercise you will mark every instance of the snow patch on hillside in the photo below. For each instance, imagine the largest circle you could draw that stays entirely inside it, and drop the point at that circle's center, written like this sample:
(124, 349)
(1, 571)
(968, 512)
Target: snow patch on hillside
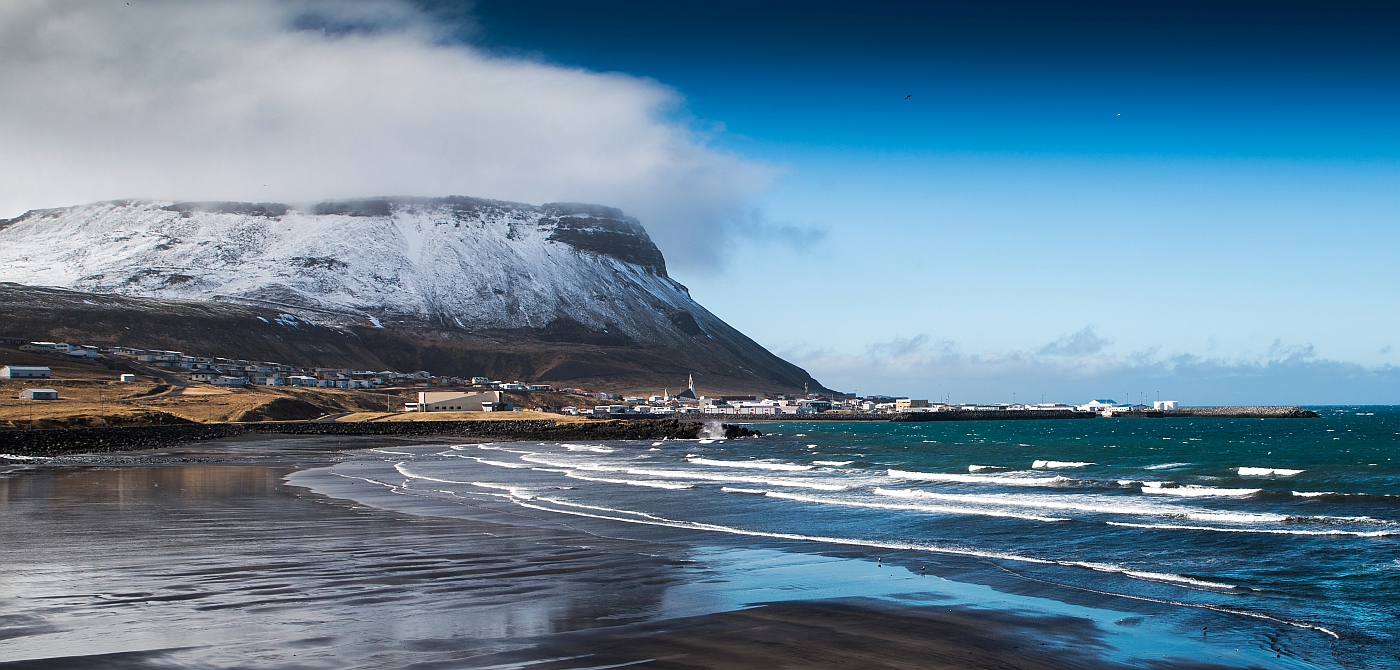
(475, 263)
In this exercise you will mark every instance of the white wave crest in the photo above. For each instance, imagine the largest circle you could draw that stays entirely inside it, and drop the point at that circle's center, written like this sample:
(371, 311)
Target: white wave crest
(1006, 480)
(1086, 503)
(1165, 466)
(756, 465)
(404, 471)
(733, 489)
(1195, 491)
(979, 468)
(673, 486)
(1266, 531)
(834, 464)
(934, 509)
(597, 449)
(814, 484)
(1039, 465)
(1268, 472)
(498, 464)
(1152, 576)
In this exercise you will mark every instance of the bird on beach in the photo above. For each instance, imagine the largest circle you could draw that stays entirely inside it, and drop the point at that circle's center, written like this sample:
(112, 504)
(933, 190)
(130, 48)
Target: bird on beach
(921, 571)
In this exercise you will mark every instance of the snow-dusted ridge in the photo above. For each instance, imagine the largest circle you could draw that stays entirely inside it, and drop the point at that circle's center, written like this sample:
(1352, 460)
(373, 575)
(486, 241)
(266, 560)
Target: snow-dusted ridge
(469, 262)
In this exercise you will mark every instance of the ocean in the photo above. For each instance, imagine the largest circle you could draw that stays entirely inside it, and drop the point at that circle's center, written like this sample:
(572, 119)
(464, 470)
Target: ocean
(1289, 527)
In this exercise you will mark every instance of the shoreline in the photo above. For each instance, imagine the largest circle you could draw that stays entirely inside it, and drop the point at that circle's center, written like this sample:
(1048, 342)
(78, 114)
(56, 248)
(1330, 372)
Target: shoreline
(45, 442)
(48, 442)
(614, 596)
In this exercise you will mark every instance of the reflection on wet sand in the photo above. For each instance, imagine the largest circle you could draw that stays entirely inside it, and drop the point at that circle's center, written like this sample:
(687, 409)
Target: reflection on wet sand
(214, 564)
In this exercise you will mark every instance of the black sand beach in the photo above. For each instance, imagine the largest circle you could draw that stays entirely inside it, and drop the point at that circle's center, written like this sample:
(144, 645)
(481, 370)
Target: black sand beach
(204, 557)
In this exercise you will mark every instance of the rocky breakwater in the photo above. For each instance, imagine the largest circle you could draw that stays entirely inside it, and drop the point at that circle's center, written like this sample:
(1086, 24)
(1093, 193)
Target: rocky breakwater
(60, 441)
(993, 415)
(1245, 412)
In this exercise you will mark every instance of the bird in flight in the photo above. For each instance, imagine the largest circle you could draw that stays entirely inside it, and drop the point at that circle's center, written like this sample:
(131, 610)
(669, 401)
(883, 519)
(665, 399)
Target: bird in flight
(908, 96)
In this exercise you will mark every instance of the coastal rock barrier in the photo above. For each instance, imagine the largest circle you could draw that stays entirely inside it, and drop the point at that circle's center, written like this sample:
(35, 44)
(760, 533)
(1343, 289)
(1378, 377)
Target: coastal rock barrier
(60, 441)
(1245, 412)
(1232, 412)
(994, 415)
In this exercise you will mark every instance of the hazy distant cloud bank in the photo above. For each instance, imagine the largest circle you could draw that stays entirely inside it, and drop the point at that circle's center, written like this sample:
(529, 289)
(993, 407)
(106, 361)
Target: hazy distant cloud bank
(298, 100)
(1075, 369)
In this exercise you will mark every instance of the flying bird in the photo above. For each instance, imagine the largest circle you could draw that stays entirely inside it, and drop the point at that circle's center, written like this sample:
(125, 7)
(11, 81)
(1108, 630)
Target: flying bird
(908, 96)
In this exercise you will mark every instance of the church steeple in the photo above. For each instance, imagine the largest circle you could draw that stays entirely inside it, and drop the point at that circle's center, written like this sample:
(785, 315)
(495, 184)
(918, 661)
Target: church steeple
(689, 393)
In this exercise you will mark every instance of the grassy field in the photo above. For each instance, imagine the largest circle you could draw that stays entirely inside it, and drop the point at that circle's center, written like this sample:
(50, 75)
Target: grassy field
(91, 395)
(462, 416)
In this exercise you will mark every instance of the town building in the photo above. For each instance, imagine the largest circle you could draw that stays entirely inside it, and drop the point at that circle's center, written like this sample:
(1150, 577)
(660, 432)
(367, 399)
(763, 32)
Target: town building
(688, 395)
(1098, 405)
(444, 401)
(24, 372)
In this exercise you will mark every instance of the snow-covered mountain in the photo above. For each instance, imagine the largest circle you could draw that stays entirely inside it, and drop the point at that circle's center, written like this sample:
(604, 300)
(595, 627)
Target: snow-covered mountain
(475, 263)
(562, 272)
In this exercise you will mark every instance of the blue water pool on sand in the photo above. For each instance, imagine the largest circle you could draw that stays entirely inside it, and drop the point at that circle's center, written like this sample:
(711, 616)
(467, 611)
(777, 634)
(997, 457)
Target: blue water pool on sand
(1291, 524)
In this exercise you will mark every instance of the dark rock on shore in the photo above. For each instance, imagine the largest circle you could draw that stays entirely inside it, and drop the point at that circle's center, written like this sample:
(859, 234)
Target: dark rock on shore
(59, 441)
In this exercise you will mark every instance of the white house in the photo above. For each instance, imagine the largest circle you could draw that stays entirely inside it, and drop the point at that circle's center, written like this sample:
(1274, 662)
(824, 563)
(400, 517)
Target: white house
(1098, 404)
(22, 372)
(38, 394)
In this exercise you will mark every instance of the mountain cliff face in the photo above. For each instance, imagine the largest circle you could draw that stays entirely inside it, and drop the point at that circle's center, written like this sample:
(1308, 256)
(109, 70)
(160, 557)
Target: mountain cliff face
(568, 292)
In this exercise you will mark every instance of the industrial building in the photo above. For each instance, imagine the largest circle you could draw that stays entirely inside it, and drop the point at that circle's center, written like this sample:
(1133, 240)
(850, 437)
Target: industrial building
(446, 401)
(23, 372)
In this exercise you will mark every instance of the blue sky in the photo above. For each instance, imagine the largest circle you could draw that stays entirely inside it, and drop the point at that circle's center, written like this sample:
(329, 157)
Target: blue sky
(978, 200)
(1189, 183)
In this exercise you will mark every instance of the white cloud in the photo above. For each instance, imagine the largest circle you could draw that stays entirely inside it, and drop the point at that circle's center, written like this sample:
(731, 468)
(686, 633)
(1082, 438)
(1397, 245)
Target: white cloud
(1078, 344)
(299, 100)
(1075, 368)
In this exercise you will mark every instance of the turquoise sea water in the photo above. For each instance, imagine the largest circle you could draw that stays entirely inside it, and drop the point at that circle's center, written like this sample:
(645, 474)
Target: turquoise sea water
(1290, 525)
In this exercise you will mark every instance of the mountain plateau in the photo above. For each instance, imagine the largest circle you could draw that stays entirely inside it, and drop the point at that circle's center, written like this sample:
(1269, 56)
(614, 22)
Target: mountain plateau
(564, 293)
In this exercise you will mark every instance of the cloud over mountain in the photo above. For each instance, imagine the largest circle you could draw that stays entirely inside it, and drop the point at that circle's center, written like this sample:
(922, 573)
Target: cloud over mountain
(299, 100)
